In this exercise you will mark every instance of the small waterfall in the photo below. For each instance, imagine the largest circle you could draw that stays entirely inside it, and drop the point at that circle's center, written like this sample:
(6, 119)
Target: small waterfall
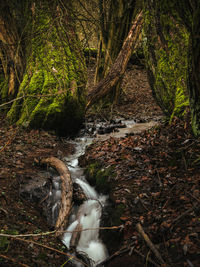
(89, 191)
(88, 217)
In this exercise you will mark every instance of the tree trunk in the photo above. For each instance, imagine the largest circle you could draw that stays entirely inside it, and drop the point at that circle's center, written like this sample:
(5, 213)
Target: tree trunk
(51, 94)
(194, 69)
(117, 70)
(165, 42)
(11, 53)
(115, 22)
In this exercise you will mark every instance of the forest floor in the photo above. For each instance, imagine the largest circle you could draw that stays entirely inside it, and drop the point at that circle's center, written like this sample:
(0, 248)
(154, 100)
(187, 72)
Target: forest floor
(156, 182)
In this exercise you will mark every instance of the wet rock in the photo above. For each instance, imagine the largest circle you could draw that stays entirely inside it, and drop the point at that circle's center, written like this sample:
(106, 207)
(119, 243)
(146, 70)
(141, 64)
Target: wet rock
(78, 194)
(46, 193)
(36, 189)
(101, 127)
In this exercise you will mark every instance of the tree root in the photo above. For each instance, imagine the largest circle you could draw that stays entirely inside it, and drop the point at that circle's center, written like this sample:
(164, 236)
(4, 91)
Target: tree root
(66, 191)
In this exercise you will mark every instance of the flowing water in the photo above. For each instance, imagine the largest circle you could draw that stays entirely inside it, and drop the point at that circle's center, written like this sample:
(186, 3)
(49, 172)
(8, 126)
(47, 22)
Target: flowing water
(88, 215)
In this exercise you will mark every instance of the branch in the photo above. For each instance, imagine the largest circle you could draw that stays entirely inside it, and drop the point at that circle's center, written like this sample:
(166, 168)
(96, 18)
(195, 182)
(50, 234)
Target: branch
(149, 243)
(61, 232)
(50, 248)
(13, 260)
(118, 68)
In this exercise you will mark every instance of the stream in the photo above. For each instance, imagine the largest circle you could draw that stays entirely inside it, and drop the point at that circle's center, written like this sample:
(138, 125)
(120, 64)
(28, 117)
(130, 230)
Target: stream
(88, 214)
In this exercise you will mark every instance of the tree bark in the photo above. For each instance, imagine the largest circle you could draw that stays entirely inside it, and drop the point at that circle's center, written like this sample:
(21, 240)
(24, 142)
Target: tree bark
(11, 52)
(165, 45)
(66, 190)
(194, 69)
(118, 68)
(115, 21)
(51, 94)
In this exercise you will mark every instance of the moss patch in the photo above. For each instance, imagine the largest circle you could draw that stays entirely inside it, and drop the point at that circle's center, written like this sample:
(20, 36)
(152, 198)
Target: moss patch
(165, 42)
(101, 178)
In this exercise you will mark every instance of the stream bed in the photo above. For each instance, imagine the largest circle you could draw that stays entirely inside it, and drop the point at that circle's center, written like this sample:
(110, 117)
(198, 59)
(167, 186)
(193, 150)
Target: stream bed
(82, 233)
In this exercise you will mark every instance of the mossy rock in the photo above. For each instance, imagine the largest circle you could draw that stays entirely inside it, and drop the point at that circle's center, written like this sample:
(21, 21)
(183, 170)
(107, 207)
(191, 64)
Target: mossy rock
(101, 178)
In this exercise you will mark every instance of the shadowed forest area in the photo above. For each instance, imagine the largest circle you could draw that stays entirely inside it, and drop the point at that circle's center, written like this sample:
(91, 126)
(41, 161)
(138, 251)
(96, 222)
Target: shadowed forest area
(99, 133)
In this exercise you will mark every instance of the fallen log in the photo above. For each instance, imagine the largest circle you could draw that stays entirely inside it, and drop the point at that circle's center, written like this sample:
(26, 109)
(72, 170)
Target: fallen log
(66, 191)
(118, 68)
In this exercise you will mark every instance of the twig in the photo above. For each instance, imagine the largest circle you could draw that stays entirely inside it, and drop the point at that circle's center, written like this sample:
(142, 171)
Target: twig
(181, 216)
(160, 183)
(50, 248)
(61, 232)
(124, 250)
(148, 259)
(197, 199)
(35, 96)
(7, 103)
(13, 260)
(117, 253)
(142, 202)
(9, 141)
(149, 243)
(5, 211)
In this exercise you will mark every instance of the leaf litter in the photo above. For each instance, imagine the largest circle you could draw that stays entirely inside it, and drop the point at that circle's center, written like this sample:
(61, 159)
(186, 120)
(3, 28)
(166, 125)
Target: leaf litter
(157, 180)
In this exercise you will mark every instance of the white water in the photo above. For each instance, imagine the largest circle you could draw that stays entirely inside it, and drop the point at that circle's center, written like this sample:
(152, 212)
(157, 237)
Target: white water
(89, 191)
(89, 213)
(88, 217)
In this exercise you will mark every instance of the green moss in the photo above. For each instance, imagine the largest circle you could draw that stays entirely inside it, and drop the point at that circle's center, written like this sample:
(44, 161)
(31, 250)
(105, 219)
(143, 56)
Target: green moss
(101, 178)
(54, 81)
(181, 103)
(3, 88)
(165, 50)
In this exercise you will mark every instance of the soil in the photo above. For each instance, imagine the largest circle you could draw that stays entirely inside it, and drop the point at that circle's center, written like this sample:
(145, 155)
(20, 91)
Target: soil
(156, 182)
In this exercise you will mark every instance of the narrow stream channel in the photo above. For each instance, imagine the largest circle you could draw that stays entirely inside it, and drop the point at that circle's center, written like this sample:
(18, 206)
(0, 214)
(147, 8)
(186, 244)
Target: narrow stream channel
(88, 215)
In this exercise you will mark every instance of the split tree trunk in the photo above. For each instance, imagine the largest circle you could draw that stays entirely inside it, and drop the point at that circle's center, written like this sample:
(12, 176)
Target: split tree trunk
(117, 70)
(115, 19)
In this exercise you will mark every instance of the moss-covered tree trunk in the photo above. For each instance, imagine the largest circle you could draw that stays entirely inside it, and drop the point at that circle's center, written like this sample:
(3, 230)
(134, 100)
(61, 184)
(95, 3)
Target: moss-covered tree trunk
(52, 92)
(11, 52)
(165, 41)
(194, 68)
(116, 18)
